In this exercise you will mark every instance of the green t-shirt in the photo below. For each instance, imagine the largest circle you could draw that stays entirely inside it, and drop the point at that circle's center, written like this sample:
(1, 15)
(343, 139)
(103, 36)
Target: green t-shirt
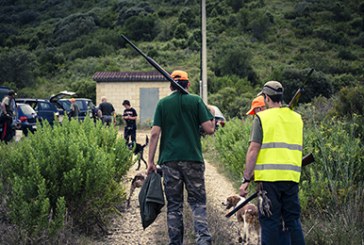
(179, 117)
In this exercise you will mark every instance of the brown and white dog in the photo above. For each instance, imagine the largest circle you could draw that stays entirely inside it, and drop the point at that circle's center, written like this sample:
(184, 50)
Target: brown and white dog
(248, 216)
(137, 182)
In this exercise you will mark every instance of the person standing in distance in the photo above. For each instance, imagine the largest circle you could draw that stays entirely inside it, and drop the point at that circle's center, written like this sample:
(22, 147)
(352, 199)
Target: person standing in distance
(176, 120)
(258, 105)
(8, 112)
(274, 160)
(106, 111)
(130, 115)
(74, 110)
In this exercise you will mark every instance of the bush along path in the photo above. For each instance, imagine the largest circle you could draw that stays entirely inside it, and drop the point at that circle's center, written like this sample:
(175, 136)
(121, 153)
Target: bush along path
(127, 228)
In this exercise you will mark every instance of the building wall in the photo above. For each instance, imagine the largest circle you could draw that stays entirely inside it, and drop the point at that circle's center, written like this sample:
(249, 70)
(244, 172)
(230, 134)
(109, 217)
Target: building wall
(117, 92)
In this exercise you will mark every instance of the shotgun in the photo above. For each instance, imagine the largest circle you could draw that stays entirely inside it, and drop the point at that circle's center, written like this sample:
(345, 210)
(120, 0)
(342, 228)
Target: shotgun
(306, 160)
(294, 101)
(156, 66)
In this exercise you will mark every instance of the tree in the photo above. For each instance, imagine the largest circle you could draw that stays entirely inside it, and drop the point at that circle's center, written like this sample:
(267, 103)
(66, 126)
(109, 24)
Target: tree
(17, 66)
(234, 59)
(141, 27)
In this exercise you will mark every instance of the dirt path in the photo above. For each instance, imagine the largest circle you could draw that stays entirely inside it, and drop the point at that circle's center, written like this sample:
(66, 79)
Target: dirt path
(127, 229)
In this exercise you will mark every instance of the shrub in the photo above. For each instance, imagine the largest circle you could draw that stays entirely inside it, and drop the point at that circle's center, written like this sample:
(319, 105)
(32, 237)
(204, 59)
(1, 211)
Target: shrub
(260, 26)
(346, 55)
(73, 27)
(349, 101)
(141, 27)
(130, 9)
(231, 144)
(233, 59)
(181, 31)
(17, 66)
(317, 84)
(70, 172)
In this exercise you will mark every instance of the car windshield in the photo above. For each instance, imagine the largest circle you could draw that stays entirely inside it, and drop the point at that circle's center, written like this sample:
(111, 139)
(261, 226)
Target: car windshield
(27, 110)
(81, 106)
(66, 104)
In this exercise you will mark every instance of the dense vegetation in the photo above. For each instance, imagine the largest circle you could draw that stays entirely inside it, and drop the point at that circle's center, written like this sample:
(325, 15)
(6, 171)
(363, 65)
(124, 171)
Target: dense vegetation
(61, 180)
(51, 45)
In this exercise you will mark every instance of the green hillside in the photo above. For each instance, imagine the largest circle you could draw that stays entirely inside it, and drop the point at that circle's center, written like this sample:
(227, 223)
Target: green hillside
(51, 45)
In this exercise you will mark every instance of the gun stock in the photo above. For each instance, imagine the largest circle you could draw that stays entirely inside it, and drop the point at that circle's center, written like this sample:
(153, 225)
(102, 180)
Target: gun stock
(156, 65)
(294, 101)
(308, 159)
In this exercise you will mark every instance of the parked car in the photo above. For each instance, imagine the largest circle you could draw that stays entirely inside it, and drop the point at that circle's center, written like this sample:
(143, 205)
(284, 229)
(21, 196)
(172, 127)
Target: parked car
(47, 109)
(86, 107)
(26, 118)
(219, 118)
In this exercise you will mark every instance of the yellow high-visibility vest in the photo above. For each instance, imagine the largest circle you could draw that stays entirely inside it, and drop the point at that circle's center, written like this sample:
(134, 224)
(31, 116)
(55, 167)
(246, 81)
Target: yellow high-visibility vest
(280, 156)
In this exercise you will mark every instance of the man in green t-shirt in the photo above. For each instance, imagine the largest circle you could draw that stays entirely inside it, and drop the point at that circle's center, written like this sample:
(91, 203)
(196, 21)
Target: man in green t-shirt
(177, 120)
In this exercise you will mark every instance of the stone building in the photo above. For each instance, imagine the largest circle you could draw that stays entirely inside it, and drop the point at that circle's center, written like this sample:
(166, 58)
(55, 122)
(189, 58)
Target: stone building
(142, 89)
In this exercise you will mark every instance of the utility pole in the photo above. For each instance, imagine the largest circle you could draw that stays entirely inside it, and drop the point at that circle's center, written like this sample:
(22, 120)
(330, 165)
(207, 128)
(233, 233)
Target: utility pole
(203, 52)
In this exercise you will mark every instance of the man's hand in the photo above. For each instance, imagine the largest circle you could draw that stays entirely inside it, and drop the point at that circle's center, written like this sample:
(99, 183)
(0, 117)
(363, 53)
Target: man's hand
(151, 168)
(244, 189)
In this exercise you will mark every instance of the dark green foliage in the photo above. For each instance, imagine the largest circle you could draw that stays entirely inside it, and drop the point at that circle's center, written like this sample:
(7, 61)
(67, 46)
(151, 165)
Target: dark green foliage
(17, 66)
(127, 9)
(181, 31)
(74, 26)
(234, 58)
(231, 144)
(346, 55)
(50, 60)
(260, 25)
(68, 172)
(141, 27)
(229, 101)
(249, 39)
(189, 17)
(85, 89)
(235, 4)
(349, 101)
(317, 84)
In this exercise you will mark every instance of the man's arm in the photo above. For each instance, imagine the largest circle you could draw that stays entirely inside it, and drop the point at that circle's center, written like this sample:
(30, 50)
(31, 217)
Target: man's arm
(3, 108)
(209, 126)
(251, 159)
(154, 137)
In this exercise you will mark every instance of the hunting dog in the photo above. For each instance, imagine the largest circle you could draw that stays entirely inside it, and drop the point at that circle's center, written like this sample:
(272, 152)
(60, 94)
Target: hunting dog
(248, 216)
(137, 182)
(138, 150)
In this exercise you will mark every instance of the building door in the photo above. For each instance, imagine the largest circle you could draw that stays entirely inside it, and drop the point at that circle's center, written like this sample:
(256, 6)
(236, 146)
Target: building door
(149, 98)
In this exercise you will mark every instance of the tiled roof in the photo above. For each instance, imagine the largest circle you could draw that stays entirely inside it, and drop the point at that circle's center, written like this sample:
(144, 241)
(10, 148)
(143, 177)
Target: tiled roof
(121, 76)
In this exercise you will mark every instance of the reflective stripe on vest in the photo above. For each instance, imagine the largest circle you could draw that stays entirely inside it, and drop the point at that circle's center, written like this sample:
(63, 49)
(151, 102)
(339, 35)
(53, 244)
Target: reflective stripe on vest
(280, 156)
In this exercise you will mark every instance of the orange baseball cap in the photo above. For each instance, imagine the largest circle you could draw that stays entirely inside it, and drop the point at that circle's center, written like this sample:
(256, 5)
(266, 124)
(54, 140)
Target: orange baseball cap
(257, 102)
(179, 75)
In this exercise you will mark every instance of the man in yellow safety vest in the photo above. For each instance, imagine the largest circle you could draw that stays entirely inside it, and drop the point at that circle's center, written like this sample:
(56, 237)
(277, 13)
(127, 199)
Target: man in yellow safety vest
(273, 160)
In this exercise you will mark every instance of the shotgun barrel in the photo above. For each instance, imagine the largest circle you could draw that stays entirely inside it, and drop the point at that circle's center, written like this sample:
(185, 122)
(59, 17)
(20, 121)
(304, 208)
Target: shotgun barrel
(156, 66)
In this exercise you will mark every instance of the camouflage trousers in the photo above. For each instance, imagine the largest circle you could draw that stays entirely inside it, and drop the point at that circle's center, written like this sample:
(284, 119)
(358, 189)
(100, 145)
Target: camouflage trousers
(176, 175)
